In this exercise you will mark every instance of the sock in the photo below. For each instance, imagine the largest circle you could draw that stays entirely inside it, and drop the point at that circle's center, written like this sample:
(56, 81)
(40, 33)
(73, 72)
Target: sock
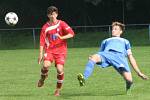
(44, 73)
(89, 69)
(60, 78)
(128, 84)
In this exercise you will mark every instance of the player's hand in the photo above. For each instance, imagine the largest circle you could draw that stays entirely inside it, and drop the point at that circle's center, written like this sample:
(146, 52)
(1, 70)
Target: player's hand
(40, 59)
(58, 36)
(90, 57)
(143, 76)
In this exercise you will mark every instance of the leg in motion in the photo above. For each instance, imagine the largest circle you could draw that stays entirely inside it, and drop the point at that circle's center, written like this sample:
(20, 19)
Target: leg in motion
(44, 73)
(128, 78)
(60, 79)
(89, 69)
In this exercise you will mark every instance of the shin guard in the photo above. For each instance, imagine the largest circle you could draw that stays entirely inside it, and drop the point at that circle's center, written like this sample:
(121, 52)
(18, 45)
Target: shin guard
(60, 78)
(44, 73)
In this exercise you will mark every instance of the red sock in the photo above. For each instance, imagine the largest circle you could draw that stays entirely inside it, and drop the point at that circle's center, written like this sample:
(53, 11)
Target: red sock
(44, 73)
(60, 78)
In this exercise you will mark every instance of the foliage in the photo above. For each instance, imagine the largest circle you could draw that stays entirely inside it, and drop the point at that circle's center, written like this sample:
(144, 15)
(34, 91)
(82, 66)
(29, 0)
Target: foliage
(32, 13)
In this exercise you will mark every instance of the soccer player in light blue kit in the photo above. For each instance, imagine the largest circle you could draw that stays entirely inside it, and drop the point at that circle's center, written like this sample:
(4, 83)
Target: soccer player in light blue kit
(114, 52)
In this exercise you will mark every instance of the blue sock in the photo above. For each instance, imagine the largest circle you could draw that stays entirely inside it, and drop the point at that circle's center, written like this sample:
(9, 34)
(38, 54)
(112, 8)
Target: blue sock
(89, 69)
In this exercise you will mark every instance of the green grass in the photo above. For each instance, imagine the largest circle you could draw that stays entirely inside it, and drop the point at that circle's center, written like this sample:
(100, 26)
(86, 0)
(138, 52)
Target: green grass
(20, 73)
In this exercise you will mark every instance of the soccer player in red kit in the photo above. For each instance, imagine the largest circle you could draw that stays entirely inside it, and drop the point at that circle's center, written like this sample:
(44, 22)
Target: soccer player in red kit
(53, 47)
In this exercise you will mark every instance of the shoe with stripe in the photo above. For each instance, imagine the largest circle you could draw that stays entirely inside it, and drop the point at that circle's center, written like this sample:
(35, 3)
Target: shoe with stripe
(81, 79)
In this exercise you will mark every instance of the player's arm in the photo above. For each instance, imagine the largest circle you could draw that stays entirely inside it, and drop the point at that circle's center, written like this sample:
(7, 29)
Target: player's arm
(42, 44)
(69, 33)
(135, 66)
(40, 54)
(65, 36)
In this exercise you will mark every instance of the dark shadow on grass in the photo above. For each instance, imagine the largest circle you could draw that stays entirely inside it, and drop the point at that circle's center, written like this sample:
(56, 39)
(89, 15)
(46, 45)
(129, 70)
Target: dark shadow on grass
(109, 93)
(18, 95)
(113, 94)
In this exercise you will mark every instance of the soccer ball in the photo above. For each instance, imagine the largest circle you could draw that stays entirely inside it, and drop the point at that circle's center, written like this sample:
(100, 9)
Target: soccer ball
(11, 18)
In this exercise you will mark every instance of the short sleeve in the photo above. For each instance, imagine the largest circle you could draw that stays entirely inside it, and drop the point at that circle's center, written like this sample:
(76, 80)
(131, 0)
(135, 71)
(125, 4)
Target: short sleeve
(42, 37)
(128, 47)
(102, 47)
(66, 28)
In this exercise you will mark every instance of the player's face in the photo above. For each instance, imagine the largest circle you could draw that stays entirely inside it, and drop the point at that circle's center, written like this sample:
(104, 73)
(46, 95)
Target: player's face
(53, 16)
(116, 31)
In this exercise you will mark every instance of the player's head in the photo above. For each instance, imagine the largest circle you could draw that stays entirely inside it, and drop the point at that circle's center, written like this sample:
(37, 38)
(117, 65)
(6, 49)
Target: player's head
(117, 28)
(52, 12)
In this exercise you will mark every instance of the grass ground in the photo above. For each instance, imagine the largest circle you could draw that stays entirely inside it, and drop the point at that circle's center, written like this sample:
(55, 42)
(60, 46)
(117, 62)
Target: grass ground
(19, 73)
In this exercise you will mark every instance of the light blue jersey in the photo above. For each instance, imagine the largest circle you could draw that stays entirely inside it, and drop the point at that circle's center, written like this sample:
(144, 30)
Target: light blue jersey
(113, 52)
(117, 44)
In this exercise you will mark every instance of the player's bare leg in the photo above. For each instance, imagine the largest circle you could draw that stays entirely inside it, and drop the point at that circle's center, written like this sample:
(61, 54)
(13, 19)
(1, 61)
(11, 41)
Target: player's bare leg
(44, 73)
(60, 78)
(128, 78)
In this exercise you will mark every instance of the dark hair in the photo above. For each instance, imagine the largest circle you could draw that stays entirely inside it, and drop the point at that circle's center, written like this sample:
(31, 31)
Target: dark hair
(122, 26)
(52, 9)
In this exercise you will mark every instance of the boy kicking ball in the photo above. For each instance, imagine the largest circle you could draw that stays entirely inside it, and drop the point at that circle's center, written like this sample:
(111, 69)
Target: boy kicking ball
(114, 52)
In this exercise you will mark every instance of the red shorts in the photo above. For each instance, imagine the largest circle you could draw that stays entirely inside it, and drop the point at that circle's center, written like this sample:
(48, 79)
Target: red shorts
(57, 58)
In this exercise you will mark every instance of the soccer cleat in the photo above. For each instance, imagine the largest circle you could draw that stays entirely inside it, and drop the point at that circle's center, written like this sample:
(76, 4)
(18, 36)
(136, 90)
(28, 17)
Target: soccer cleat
(81, 79)
(57, 93)
(40, 83)
(128, 87)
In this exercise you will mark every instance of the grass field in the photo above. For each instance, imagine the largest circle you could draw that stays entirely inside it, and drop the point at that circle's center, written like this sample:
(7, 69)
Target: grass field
(19, 73)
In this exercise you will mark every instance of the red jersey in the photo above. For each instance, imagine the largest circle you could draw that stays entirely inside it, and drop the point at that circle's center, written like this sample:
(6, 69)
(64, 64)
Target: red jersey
(50, 41)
